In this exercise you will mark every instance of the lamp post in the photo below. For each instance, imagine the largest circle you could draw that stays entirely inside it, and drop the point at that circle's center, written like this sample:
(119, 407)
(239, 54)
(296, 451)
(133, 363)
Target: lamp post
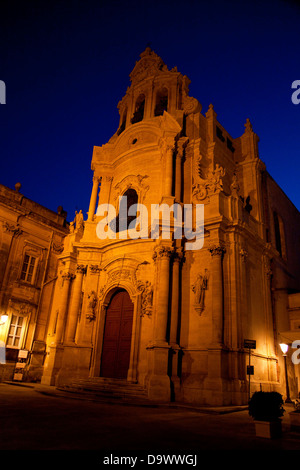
(284, 348)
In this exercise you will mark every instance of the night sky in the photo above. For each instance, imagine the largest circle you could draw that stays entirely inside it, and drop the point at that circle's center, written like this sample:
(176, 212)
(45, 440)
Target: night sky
(66, 66)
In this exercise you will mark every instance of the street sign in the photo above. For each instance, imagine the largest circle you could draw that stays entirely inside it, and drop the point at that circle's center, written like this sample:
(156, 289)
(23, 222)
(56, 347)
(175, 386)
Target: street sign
(250, 370)
(250, 343)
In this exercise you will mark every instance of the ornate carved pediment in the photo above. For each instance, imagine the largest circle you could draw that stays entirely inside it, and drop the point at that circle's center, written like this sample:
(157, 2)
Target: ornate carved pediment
(21, 308)
(149, 64)
(134, 182)
(129, 274)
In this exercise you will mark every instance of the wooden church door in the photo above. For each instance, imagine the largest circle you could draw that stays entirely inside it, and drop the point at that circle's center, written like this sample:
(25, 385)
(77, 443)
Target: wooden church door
(117, 337)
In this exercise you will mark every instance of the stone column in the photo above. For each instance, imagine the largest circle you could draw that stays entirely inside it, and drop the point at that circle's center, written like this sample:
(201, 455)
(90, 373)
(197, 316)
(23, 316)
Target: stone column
(217, 253)
(162, 255)
(67, 277)
(167, 150)
(178, 166)
(175, 298)
(93, 200)
(159, 385)
(174, 321)
(75, 304)
(105, 189)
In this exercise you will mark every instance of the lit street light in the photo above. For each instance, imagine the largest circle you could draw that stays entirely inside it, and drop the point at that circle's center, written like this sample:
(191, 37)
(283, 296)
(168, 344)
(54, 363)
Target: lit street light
(284, 348)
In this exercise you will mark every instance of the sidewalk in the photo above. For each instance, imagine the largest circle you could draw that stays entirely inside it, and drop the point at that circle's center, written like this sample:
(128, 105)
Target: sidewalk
(38, 417)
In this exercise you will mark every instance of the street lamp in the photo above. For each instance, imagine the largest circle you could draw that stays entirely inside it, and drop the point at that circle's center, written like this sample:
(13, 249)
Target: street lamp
(284, 348)
(3, 319)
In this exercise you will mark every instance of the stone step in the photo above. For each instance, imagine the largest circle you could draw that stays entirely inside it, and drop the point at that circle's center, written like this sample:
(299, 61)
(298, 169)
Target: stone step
(102, 387)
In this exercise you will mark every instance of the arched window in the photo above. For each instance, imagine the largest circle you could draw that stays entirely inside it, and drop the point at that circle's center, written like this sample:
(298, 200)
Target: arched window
(279, 235)
(161, 103)
(139, 109)
(123, 219)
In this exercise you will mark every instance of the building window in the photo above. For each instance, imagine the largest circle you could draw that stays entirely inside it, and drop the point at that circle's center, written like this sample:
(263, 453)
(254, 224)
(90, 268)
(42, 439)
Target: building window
(161, 102)
(220, 134)
(15, 331)
(28, 269)
(230, 145)
(123, 125)
(139, 110)
(123, 220)
(279, 235)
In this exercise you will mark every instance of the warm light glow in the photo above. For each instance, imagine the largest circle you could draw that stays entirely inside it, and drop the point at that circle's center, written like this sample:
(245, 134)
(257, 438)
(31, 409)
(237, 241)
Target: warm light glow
(3, 319)
(284, 347)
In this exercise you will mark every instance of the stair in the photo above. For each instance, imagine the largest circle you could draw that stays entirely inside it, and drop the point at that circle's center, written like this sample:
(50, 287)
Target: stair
(106, 388)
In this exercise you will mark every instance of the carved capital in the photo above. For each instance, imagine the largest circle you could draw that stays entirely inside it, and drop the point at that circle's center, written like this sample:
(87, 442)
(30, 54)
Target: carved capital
(68, 276)
(243, 254)
(96, 179)
(162, 252)
(80, 269)
(95, 269)
(217, 250)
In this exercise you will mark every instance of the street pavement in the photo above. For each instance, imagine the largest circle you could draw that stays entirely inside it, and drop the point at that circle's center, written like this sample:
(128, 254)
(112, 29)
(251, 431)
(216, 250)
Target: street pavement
(38, 418)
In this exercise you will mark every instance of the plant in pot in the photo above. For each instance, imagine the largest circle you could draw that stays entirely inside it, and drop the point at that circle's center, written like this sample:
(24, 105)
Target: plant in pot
(266, 408)
(295, 416)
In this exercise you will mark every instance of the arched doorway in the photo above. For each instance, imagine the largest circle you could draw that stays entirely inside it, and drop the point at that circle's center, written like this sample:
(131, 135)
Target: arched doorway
(117, 336)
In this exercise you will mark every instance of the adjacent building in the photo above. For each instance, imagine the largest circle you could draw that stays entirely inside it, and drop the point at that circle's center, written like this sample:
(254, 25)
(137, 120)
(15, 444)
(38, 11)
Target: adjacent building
(31, 238)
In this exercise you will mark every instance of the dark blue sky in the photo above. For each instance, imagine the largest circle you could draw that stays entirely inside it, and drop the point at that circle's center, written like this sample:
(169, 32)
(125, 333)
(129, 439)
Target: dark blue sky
(66, 66)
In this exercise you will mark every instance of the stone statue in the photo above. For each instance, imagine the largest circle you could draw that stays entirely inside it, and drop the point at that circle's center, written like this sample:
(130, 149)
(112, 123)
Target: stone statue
(78, 221)
(199, 289)
(90, 314)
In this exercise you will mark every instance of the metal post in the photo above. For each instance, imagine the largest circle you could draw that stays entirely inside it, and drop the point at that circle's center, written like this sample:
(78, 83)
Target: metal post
(288, 398)
(249, 370)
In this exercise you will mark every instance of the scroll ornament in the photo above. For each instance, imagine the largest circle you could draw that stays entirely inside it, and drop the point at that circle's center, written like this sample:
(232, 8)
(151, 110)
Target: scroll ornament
(213, 184)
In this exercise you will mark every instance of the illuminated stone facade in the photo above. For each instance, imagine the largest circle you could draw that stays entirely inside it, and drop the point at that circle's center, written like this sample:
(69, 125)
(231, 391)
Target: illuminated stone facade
(151, 312)
(31, 238)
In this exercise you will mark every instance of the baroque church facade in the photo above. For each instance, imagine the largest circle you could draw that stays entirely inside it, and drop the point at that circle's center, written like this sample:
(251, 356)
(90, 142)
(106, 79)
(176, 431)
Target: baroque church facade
(151, 311)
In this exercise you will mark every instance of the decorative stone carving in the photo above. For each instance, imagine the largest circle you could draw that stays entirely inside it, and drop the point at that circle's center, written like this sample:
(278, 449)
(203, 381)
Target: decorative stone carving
(95, 269)
(217, 250)
(213, 184)
(15, 230)
(120, 274)
(199, 288)
(147, 298)
(162, 252)
(58, 247)
(67, 277)
(244, 254)
(78, 222)
(235, 187)
(190, 104)
(81, 268)
(149, 64)
(91, 306)
(21, 308)
(132, 181)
